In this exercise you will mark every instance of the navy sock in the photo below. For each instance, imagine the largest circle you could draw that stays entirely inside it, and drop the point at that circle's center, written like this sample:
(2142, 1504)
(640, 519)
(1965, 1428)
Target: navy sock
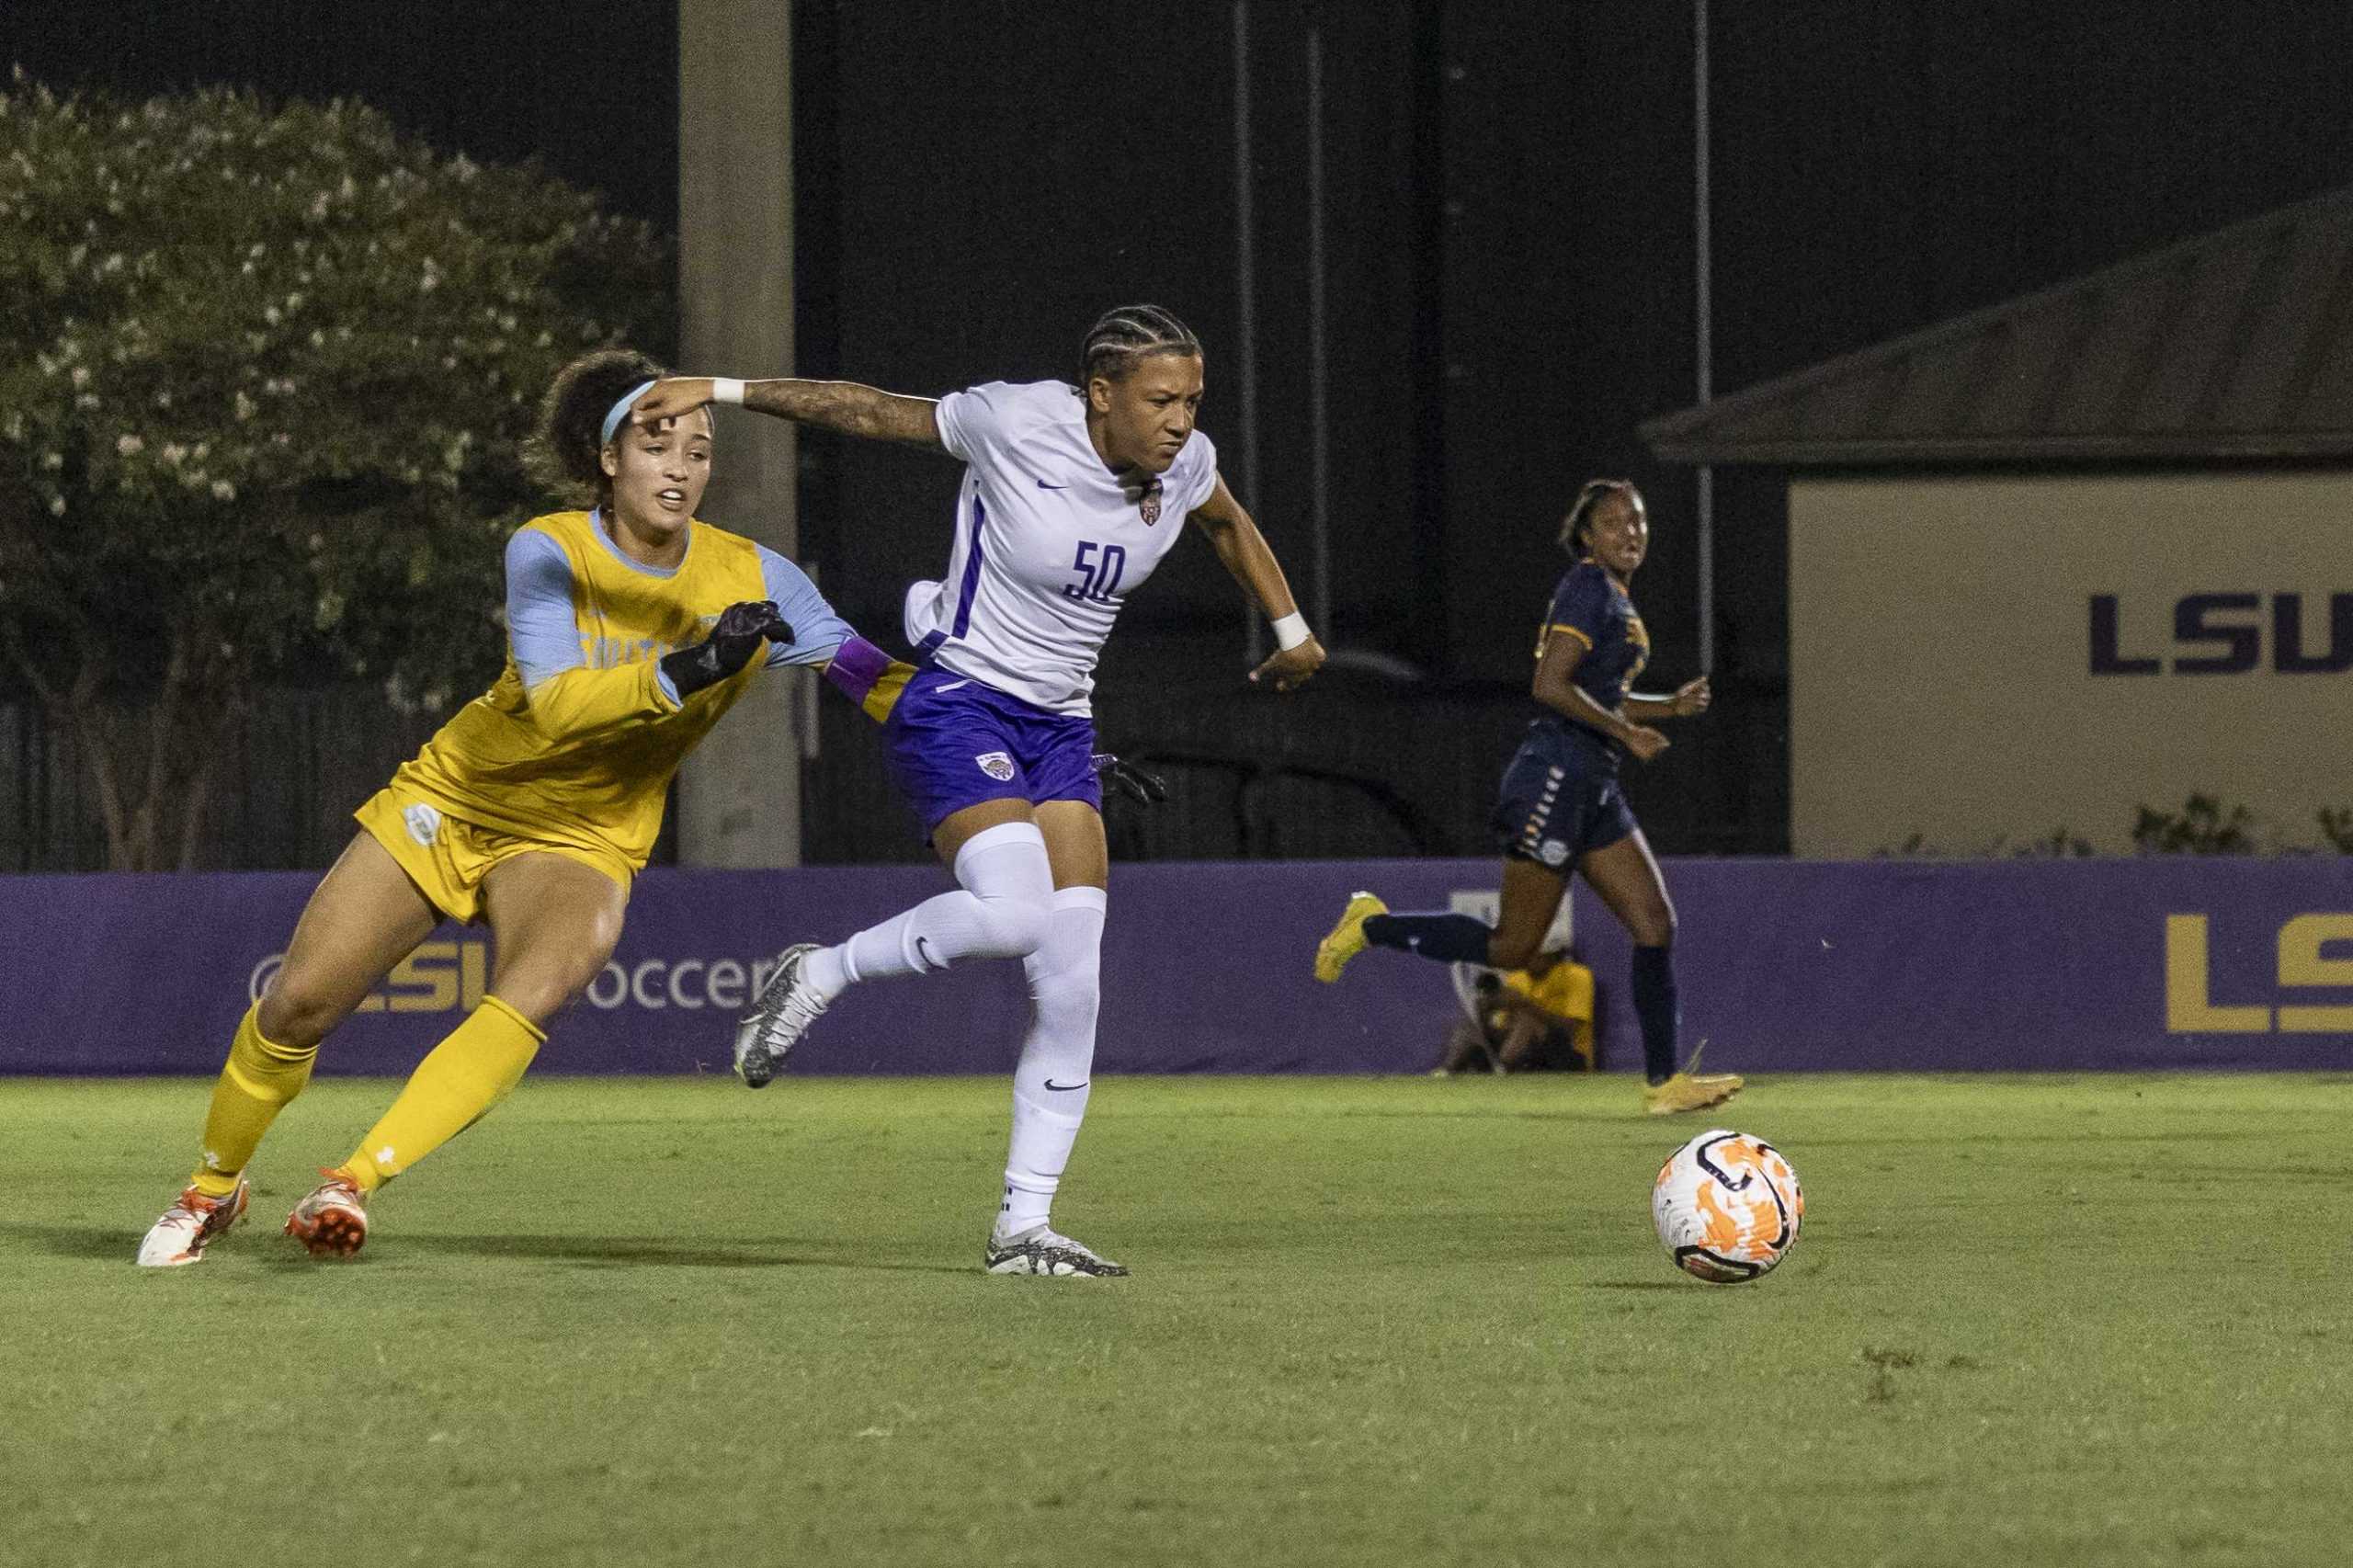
(1456, 938)
(1655, 1005)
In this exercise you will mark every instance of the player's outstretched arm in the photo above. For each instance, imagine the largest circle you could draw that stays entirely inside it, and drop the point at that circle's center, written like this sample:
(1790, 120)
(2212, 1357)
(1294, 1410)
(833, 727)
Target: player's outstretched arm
(1563, 650)
(567, 699)
(1247, 555)
(843, 406)
(1692, 696)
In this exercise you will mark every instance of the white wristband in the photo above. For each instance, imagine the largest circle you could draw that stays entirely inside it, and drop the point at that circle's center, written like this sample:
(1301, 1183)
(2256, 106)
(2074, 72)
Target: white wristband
(1290, 630)
(726, 388)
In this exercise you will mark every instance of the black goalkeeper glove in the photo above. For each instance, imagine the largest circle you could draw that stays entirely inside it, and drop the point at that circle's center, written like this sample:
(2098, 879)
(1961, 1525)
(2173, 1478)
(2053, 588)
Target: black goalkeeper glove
(729, 648)
(1144, 789)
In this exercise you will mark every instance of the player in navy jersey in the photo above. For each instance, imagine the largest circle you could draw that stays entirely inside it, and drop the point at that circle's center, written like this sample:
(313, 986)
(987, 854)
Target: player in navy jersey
(1562, 808)
(1071, 496)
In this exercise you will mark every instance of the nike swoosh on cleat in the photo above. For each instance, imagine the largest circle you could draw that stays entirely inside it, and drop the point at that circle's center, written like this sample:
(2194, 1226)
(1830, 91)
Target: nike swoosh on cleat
(1051, 1084)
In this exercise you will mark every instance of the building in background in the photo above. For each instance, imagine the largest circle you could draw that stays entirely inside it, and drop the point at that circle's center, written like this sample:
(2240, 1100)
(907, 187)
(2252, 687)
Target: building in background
(1505, 264)
(2075, 555)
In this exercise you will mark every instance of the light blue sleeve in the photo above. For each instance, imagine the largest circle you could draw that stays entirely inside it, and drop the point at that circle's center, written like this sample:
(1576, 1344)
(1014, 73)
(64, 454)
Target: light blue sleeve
(540, 629)
(816, 630)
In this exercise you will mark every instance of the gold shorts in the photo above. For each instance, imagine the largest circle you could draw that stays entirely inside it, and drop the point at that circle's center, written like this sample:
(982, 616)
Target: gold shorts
(448, 857)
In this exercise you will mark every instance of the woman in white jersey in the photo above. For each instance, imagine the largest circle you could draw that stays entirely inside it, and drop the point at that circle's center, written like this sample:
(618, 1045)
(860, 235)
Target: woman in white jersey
(1071, 496)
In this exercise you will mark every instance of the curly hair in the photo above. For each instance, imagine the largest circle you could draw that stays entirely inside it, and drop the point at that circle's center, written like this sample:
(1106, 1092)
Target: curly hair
(1581, 510)
(567, 448)
(1125, 336)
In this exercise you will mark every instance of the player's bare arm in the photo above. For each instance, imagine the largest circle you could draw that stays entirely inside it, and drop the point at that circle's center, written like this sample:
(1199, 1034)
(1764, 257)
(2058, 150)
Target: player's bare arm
(1246, 555)
(1564, 650)
(846, 407)
(1687, 700)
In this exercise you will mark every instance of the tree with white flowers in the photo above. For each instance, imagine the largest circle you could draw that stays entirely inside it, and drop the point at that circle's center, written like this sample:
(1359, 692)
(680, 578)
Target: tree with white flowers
(264, 373)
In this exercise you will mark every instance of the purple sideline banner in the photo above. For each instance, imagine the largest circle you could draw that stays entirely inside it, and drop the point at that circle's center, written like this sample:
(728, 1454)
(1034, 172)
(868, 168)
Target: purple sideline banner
(1782, 965)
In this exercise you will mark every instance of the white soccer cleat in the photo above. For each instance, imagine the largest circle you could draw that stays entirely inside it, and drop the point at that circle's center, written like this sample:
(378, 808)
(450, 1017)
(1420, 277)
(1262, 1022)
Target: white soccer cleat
(1039, 1250)
(332, 1221)
(189, 1226)
(780, 1017)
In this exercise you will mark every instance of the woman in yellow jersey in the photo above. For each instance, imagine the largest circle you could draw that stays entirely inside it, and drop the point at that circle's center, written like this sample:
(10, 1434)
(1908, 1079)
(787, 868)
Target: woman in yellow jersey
(631, 628)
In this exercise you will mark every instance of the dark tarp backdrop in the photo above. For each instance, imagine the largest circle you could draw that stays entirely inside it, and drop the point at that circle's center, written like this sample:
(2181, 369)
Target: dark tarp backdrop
(1507, 237)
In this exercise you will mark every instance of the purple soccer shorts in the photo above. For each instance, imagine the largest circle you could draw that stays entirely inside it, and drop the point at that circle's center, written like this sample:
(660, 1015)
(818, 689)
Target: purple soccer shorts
(956, 742)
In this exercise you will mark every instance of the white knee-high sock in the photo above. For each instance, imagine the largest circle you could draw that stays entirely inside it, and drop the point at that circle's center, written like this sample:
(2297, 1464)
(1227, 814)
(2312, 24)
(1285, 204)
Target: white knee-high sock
(1050, 1084)
(1000, 912)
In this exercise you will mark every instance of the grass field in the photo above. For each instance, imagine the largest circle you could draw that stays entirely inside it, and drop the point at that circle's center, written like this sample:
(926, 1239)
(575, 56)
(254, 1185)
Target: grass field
(2031, 1320)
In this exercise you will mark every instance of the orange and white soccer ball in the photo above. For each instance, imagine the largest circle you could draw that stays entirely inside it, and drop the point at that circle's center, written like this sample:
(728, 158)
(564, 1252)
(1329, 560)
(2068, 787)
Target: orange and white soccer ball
(1727, 1207)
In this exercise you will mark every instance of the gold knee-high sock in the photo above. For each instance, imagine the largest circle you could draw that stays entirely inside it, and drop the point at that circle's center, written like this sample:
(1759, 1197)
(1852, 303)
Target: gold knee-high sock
(476, 1066)
(259, 1079)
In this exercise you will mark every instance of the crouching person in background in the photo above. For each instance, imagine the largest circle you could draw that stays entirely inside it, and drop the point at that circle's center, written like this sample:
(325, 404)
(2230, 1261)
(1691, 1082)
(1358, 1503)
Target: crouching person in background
(1527, 1020)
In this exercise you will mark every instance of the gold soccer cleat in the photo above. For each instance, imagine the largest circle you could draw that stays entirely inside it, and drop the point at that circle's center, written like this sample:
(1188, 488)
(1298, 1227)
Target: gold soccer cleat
(1346, 940)
(332, 1221)
(1688, 1090)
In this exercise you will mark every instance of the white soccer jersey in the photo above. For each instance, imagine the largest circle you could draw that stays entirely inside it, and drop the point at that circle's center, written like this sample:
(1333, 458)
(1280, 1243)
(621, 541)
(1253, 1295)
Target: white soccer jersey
(1048, 542)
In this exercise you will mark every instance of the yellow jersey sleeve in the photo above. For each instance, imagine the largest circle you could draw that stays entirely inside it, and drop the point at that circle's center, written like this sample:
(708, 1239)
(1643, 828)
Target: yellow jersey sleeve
(580, 704)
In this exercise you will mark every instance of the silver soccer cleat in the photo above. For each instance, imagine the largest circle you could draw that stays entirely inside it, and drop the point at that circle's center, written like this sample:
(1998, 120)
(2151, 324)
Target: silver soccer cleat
(780, 1014)
(1039, 1250)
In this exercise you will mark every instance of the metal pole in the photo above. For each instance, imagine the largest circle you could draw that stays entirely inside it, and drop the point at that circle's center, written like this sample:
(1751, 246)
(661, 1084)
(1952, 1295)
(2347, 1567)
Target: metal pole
(1707, 497)
(1246, 288)
(1319, 424)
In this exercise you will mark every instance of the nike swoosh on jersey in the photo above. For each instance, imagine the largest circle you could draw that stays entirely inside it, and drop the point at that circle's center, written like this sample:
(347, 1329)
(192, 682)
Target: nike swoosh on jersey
(951, 685)
(1044, 486)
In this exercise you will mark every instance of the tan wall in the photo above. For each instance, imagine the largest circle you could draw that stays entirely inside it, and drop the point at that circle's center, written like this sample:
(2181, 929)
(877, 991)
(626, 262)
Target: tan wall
(1940, 657)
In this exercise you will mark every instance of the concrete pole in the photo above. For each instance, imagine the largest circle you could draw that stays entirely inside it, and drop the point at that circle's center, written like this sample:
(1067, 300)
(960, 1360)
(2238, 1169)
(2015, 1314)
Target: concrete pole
(739, 795)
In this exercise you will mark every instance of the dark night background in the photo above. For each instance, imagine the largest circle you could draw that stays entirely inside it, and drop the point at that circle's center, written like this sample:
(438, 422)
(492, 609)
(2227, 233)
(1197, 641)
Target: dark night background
(1510, 271)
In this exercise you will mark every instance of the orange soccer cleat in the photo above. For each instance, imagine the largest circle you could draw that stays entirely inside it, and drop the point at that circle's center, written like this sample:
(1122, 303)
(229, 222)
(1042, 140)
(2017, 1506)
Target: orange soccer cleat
(332, 1221)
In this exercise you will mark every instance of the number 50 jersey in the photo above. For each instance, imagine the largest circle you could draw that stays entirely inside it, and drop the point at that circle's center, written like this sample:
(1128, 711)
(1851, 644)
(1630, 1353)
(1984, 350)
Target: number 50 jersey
(1048, 542)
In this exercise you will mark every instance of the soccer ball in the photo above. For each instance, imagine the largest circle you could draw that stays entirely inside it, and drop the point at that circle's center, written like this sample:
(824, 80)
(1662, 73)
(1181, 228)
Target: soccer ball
(1727, 1207)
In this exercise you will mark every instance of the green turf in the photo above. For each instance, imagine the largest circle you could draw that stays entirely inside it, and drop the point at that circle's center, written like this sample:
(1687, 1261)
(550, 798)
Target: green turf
(2066, 1320)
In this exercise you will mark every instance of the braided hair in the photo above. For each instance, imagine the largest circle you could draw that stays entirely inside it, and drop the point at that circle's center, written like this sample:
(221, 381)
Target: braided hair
(566, 449)
(1123, 337)
(1581, 510)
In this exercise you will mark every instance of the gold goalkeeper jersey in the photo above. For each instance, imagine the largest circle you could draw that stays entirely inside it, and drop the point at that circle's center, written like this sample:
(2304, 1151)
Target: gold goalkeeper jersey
(577, 741)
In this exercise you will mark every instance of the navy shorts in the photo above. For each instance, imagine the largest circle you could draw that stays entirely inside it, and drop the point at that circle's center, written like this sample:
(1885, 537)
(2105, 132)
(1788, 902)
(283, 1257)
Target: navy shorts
(1561, 797)
(956, 742)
